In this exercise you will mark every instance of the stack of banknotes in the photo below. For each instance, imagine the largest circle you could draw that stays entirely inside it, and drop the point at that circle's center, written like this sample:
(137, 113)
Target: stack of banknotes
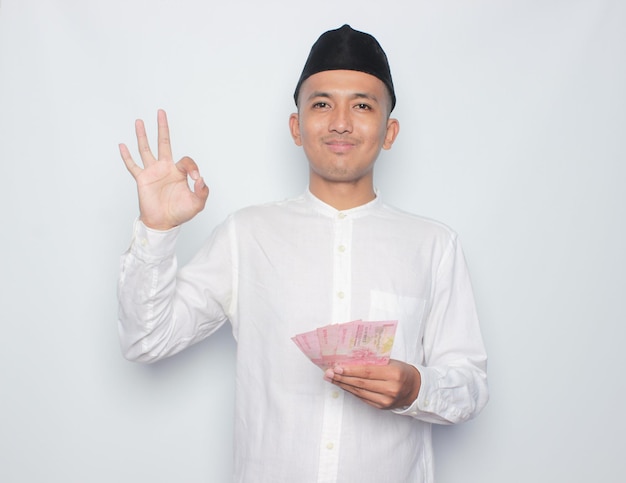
(352, 343)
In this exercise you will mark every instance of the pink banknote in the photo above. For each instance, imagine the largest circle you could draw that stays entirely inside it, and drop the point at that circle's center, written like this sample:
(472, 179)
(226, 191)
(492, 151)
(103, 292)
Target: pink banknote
(352, 343)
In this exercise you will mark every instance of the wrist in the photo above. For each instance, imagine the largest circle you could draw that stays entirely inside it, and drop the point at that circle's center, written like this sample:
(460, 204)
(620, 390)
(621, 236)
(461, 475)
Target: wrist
(156, 226)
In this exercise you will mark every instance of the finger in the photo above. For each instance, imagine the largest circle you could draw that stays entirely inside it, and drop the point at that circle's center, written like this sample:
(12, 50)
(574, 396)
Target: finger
(189, 167)
(131, 166)
(373, 398)
(373, 379)
(369, 372)
(349, 383)
(201, 190)
(358, 384)
(164, 148)
(142, 143)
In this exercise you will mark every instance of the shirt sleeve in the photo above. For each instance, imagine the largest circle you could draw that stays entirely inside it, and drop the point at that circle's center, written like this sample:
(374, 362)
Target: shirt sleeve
(163, 310)
(454, 378)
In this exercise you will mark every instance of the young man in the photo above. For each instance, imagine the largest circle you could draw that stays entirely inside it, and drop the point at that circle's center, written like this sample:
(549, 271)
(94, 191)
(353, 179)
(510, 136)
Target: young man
(335, 254)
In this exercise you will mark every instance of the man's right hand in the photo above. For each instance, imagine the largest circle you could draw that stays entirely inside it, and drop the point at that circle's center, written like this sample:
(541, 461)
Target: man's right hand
(165, 199)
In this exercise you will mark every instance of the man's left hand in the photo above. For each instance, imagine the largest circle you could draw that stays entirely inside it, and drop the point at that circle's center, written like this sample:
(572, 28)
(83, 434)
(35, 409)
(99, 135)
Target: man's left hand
(393, 386)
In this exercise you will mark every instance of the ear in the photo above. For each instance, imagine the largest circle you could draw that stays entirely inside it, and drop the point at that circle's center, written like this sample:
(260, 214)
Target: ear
(393, 128)
(294, 128)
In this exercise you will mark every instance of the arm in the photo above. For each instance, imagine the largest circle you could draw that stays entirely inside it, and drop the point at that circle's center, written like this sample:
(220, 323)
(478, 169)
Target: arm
(161, 310)
(450, 384)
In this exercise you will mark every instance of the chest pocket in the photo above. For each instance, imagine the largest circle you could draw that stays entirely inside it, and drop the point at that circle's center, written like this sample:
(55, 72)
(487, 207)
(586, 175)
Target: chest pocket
(409, 312)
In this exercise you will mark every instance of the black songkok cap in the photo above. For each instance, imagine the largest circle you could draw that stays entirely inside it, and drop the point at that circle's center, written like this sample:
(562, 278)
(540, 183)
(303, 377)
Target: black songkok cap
(347, 49)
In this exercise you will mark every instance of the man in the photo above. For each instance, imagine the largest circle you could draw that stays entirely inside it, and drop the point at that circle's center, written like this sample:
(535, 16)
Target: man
(335, 254)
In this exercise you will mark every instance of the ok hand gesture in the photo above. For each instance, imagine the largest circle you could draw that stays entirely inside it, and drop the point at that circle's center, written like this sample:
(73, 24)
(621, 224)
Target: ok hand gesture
(165, 198)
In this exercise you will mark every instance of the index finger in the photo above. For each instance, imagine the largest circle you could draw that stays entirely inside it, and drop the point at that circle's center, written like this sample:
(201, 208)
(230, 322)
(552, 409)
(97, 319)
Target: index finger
(164, 148)
(131, 166)
(348, 372)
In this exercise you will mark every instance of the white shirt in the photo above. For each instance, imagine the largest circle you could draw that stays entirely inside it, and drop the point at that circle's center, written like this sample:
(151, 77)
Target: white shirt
(283, 268)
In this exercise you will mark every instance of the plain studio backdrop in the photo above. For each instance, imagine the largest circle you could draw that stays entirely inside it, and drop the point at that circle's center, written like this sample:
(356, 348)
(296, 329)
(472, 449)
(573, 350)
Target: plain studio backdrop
(513, 132)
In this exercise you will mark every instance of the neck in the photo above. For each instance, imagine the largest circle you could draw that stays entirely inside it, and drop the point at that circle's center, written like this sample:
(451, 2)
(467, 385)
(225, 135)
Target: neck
(343, 196)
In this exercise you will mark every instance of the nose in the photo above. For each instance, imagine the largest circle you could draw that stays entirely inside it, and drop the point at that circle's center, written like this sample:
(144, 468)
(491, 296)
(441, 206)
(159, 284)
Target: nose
(341, 120)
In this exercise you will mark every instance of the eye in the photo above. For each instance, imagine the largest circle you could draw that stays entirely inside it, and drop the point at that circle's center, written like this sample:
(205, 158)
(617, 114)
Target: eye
(320, 105)
(363, 106)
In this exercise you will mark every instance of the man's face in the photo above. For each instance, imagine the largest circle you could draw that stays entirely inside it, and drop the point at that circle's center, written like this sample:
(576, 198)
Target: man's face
(342, 124)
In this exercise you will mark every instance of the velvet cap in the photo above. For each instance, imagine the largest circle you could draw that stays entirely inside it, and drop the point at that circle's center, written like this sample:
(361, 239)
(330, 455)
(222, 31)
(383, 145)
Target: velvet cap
(347, 49)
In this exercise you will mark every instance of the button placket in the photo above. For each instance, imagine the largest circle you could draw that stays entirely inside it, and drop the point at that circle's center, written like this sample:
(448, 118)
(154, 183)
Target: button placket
(333, 398)
(341, 264)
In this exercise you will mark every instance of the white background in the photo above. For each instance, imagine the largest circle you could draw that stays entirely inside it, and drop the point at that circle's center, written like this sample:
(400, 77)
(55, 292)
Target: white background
(513, 131)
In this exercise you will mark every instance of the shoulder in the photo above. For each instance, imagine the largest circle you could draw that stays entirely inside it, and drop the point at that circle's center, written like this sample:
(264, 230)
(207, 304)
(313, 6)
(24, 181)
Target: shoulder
(414, 223)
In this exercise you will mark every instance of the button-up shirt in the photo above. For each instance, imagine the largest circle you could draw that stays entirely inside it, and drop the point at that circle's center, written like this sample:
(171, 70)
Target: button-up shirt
(283, 268)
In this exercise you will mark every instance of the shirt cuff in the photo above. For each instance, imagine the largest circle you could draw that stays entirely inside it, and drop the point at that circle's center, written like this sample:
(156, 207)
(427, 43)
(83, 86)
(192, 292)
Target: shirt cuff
(149, 244)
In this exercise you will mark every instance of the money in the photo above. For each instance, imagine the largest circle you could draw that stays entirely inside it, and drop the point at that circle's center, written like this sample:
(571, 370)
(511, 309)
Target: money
(352, 343)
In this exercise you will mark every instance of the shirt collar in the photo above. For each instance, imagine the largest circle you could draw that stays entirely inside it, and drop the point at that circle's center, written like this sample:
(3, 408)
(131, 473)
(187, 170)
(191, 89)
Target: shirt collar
(327, 210)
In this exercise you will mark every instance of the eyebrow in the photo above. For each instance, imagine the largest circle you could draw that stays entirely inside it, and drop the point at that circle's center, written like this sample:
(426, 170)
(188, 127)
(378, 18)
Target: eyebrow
(356, 95)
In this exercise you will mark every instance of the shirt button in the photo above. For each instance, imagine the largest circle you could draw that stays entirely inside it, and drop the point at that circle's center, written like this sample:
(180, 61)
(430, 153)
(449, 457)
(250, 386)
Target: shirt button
(341, 295)
(330, 445)
(144, 242)
(335, 394)
(341, 216)
(342, 248)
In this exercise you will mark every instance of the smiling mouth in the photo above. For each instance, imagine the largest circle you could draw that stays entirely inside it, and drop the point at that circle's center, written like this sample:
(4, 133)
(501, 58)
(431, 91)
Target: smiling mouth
(339, 145)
